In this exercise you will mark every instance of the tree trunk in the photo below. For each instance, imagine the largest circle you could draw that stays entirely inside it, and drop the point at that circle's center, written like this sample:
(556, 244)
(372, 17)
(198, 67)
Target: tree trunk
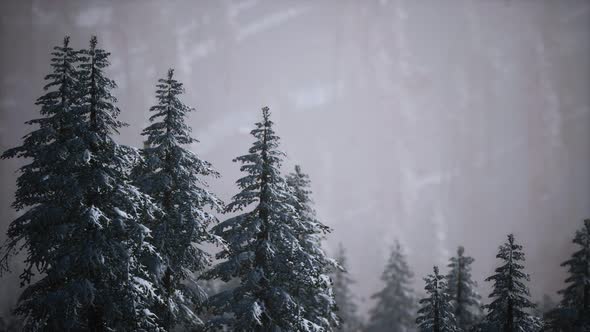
(167, 281)
(509, 318)
(436, 325)
(263, 235)
(459, 292)
(95, 319)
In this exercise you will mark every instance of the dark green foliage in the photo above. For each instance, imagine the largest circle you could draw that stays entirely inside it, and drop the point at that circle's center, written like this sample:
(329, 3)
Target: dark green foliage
(314, 294)
(263, 246)
(436, 313)
(574, 310)
(82, 222)
(510, 306)
(462, 290)
(173, 176)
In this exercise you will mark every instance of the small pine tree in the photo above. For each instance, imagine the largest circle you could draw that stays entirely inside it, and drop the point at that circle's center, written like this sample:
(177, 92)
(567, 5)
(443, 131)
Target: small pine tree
(172, 175)
(395, 303)
(436, 313)
(462, 290)
(345, 302)
(576, 296)
(318, 299)
(263, 246)
(510, 304)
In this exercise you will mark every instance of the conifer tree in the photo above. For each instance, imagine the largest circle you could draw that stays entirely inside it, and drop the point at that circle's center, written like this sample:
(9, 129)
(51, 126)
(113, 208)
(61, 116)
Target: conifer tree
(113, 244)
(576, 296)
(462, 291)
(436, 313)
(318, 299)
(510, 304)
(263, 249)
(395, 303)
(173, 176)
(41, 188)
(345, 302)
(83, 226)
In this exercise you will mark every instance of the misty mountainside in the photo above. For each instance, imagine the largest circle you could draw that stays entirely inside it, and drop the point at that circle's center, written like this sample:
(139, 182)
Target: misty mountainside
(409, 130)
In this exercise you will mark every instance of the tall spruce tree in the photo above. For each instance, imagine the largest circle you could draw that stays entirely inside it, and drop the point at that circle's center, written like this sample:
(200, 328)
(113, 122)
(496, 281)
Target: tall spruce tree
(436, 313)
(345, 302)
(173, 176)
(509, 309)
(395, 303)
(82, 227)
(42, 186)
(462, 290)
(317, 300)
(576, 296)
(114, 243)
(263, 246)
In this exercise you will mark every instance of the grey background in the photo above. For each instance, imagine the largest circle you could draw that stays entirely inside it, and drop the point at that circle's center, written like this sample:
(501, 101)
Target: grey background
(438, 123)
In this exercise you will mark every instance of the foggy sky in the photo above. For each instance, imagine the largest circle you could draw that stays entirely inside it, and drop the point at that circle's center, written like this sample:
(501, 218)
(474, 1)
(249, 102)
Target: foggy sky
(437, 123)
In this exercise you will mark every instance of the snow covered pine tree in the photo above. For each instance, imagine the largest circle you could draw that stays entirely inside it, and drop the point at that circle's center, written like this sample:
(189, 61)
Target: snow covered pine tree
(41, 192)
(317, 299)
(462, 291)
(114, 244)
(508, 310)
(172, 175)
(396, 303)
(436, 314)
(576, 296)
(346, 306)
(263, 246)
(82, 228)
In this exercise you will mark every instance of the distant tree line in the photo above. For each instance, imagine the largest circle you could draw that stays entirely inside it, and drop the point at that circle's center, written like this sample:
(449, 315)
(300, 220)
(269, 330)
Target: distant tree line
(452, 302)
(113, 236)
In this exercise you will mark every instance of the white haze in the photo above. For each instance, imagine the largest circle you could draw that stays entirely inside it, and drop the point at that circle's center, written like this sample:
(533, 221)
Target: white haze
(439, 123)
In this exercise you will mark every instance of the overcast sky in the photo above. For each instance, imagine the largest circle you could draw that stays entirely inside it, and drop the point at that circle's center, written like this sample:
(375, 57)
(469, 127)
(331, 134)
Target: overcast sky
(437, 123)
